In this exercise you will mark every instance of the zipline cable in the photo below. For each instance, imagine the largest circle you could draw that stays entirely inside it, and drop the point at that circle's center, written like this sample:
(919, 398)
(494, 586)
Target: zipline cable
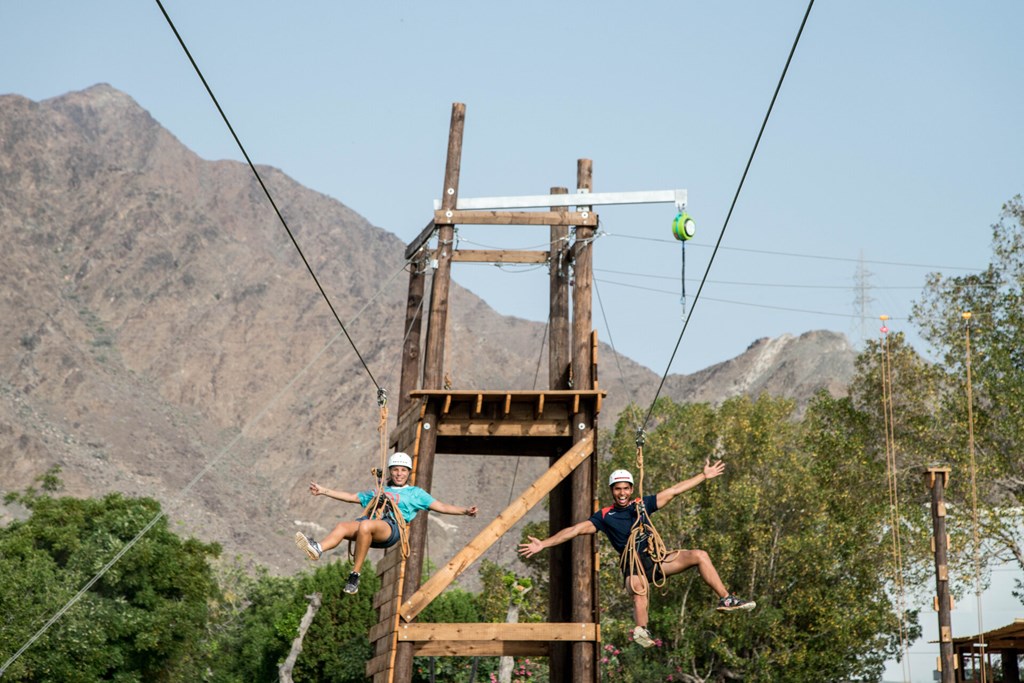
(611, 342)
(266, 191)
(732, 206)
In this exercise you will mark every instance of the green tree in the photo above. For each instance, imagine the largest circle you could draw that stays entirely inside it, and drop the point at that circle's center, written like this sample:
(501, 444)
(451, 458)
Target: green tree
(995, 299)
(337, 645)
(253, 625)
(795, 522)
(143, 619)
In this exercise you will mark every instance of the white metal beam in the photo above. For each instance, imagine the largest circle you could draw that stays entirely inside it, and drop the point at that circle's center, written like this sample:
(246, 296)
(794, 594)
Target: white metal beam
(539, 201)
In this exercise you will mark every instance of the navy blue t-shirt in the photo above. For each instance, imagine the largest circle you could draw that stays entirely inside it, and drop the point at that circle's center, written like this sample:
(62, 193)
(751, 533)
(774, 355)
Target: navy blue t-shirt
(616, 523)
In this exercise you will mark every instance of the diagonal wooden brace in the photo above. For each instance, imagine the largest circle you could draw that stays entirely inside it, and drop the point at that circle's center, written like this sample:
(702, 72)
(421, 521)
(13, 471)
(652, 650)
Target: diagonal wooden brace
(486, 538)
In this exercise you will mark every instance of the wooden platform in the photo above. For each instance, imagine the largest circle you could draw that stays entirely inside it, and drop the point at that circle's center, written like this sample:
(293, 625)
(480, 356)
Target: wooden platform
(477, 422)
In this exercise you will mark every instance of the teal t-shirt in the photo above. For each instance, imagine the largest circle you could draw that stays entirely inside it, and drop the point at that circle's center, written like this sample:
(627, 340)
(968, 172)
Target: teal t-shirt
(409, 499)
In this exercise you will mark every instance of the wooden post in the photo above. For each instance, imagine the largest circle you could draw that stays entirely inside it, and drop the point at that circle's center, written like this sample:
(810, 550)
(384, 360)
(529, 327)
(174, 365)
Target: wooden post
(560, 500)
(433, 372)
(936, 478)
(413, 333)
(1011, 670)
(583, 609)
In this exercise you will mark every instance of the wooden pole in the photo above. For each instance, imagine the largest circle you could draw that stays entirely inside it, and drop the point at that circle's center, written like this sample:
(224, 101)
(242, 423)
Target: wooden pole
(433, 372)
(583, 608)
(560, 501)
(936, 478)
(413, 334)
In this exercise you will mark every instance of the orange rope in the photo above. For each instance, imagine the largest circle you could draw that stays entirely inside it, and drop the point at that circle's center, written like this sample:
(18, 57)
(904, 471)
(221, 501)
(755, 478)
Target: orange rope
(380, 505)
(894, 500)
(974, 493)
(630, 561)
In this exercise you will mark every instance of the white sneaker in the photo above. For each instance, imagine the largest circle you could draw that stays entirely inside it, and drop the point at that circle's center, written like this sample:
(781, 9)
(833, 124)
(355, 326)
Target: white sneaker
(308, 545)
(642, 637)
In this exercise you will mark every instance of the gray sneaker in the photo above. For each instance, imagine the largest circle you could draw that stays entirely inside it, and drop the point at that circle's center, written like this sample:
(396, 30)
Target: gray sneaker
(731, 603)
(352, 585)
(642, 637)
(308, 545)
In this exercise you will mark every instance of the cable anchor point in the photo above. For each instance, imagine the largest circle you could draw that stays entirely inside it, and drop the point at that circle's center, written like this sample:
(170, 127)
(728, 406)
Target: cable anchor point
(382, 396)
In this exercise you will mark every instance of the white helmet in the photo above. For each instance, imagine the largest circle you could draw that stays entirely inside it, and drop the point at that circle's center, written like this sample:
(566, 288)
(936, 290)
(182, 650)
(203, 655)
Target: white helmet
(620, 476)
(399, 459)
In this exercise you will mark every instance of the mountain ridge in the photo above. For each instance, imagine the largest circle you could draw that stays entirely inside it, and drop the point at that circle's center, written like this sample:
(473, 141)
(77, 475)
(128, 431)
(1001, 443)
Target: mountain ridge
(163, 337)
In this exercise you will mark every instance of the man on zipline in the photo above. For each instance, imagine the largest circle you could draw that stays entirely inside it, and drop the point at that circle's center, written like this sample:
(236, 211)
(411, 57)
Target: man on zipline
(384, 529)
(616, 521)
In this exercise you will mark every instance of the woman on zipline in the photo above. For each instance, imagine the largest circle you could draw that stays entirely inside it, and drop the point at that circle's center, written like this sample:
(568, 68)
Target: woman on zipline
(387, 520)
(617, 521)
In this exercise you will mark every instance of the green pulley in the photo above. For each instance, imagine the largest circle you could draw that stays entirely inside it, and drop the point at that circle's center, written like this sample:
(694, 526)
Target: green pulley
(683, 229)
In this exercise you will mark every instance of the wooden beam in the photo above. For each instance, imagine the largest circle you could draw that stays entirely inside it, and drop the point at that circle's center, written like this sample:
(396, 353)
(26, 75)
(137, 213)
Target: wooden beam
(504, 428)
(487, 631)
(420, 240)
(499, 256)
(500, 394)
(486, 538)
(456, 217)
(481, 648)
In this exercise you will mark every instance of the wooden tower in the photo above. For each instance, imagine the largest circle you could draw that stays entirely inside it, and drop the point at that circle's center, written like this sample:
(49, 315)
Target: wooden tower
(559, 423)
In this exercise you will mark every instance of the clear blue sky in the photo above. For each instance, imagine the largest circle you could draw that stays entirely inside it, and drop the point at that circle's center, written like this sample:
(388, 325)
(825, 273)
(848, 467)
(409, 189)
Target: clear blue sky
(897, 135)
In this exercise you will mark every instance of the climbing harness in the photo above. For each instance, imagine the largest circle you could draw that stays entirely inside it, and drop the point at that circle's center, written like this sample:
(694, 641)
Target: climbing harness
(381, 506)
(632, 562)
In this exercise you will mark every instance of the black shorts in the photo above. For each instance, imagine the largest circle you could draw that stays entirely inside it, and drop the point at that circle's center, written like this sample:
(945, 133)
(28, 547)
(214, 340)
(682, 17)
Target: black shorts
(652, 571)
(392, 539)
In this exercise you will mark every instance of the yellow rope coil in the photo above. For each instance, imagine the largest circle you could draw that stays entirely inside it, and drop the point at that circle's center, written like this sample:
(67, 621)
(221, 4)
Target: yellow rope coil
(631, 561)
(380, 505)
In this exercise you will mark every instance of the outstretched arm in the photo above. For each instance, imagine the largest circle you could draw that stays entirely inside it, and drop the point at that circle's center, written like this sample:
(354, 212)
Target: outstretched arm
(446, 509)
(318, 490)
(710, 472)
(567, 534)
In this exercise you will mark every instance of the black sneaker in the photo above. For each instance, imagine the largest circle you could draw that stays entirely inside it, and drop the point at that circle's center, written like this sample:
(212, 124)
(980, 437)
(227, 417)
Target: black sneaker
(352, 585)
(731, 603)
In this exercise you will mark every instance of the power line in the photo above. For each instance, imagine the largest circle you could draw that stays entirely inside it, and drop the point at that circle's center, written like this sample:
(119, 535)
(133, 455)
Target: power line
(740, 283)
(732, 206)
(798, 255)
(266, 191)
(744, 303)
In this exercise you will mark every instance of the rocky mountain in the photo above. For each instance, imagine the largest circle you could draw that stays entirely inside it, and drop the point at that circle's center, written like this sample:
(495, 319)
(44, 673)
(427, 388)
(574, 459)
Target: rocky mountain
(162, 337)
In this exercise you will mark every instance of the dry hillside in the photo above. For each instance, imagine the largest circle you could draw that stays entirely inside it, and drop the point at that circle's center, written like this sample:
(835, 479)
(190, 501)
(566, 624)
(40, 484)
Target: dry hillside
(161, 336)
